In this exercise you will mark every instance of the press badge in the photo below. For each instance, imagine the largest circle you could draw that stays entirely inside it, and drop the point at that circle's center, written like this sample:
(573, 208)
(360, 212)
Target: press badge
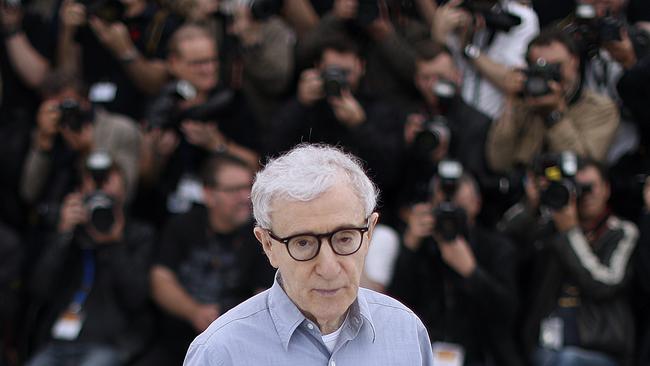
(448, 354)
(551, 333)
(102, 92)
(68, 326)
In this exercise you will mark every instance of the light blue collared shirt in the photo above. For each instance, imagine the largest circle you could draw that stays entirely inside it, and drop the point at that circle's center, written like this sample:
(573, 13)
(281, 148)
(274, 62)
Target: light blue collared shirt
(268, 329)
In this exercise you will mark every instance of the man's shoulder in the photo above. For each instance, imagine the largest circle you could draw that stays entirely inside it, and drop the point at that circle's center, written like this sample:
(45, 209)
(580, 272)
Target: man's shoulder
(592, 99)
(249, 315)
(384, 303)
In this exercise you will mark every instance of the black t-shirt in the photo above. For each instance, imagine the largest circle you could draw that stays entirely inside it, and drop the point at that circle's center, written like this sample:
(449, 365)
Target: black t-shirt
(150, 33)
(213, 268)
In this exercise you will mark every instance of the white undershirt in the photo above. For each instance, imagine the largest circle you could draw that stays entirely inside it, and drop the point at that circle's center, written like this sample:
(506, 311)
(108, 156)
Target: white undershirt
(331, 339)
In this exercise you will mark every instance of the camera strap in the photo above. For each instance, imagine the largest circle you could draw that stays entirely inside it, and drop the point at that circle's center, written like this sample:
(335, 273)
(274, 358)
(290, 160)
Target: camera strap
(70, 323)
(86, 282)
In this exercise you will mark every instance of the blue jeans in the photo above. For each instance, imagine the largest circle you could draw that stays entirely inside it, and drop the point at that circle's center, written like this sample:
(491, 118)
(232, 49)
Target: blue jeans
(74, 354)
(571, 356)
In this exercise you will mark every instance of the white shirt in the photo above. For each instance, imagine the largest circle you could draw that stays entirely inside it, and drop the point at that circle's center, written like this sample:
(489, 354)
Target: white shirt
(508, 49)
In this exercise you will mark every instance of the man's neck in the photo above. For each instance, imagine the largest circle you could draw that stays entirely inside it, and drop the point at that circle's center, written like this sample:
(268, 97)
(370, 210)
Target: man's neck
(219, 225)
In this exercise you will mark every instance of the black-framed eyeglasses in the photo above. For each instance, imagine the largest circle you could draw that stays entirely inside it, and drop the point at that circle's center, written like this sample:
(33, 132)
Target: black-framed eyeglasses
(306, 246)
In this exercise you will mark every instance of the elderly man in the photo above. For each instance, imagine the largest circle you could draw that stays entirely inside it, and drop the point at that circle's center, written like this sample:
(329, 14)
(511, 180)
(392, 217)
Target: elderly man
(315, 312)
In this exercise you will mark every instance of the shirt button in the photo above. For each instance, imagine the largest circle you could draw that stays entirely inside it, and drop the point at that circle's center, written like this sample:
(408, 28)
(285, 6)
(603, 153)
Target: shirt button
(310, 326)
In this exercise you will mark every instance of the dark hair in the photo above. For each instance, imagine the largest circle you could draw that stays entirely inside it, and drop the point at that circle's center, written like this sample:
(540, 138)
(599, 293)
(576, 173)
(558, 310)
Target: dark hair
(213, 165)
(57, 81)
(427, 50)
(602, 168)
(550, 35)
(340, 43)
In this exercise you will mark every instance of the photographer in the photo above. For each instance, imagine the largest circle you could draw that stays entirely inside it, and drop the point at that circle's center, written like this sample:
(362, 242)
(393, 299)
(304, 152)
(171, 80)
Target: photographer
(439, 124)
(329, 108)
(68, 129)
(91, 282)
(488, 38)
(118, 46)
(195, 116)
(457, 276)
(551, 112)
(207, 261)
(576, 259)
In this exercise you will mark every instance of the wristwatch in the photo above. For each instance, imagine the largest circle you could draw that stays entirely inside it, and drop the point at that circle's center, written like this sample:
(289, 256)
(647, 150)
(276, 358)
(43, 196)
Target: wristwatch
(471, 52)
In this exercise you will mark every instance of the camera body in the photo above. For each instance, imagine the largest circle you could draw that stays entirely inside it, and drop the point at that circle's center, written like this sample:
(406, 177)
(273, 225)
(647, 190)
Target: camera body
(334, 79)
(559, 170)
(165, 111)
(590, 31)
(100, 208)
(496, 17)
(100, 205)
(72, 116)
(538, 76)
(434, 131)
(450, 219)
(436, 128)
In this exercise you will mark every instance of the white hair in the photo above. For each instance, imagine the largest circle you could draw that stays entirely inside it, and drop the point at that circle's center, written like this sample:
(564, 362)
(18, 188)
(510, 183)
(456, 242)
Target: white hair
(306, 172)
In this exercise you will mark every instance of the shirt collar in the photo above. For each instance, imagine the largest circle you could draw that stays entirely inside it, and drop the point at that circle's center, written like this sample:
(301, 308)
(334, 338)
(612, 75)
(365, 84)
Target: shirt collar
(287, 317)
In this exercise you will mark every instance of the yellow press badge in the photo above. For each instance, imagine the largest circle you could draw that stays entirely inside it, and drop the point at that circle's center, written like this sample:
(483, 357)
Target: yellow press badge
(68, 326)
(448, 354)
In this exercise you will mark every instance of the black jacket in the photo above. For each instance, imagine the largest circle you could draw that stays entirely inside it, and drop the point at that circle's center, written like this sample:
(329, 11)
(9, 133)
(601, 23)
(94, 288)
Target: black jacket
(475, 312)
(600, 271)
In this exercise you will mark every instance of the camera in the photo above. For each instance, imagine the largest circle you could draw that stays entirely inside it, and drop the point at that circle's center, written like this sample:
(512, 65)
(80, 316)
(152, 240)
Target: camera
(559, 170)
(496, 17)
(334, 79)
(165, 112)
(109, 11)
(100, 208)
(99, 204)
(71, 115)
(436, 129)
(434, 132)
(451, 220)
(590, 32)
(538, 76)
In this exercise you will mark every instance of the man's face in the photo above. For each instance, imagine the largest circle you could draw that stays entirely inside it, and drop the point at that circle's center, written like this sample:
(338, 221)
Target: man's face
(114, 186)
(196, 61)
(428, 72)
(229, 200)
(592, 204)
(349, 62)
(324, 287)
(557, 53)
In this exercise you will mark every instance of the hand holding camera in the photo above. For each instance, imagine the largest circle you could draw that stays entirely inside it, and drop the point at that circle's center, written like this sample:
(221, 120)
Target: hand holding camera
(204, 135)
(310, 87)
(458, 255)
(73, 213)
(115, 36)
(72, 14)
(47, 120)
(622, 49)
(419, 225)
(347, 109)
(448, 18)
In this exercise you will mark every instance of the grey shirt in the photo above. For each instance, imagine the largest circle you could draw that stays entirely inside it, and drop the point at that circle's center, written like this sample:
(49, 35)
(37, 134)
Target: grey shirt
(268, 329)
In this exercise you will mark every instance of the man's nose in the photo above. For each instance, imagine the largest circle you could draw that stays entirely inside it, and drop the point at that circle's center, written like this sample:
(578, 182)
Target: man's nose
(327, 262)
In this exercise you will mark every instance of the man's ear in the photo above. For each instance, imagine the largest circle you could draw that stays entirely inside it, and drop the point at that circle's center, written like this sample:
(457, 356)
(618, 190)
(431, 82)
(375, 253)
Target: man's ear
(263, 237)
(374, 219)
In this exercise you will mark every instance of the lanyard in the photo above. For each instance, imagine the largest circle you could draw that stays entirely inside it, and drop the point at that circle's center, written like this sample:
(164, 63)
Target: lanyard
(87, 280)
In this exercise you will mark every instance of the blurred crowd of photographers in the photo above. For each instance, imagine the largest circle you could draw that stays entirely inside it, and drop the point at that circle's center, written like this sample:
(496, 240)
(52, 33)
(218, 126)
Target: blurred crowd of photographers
(509, 140)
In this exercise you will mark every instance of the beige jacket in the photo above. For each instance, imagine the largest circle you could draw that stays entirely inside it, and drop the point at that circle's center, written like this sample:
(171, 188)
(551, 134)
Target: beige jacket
(587, 128)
